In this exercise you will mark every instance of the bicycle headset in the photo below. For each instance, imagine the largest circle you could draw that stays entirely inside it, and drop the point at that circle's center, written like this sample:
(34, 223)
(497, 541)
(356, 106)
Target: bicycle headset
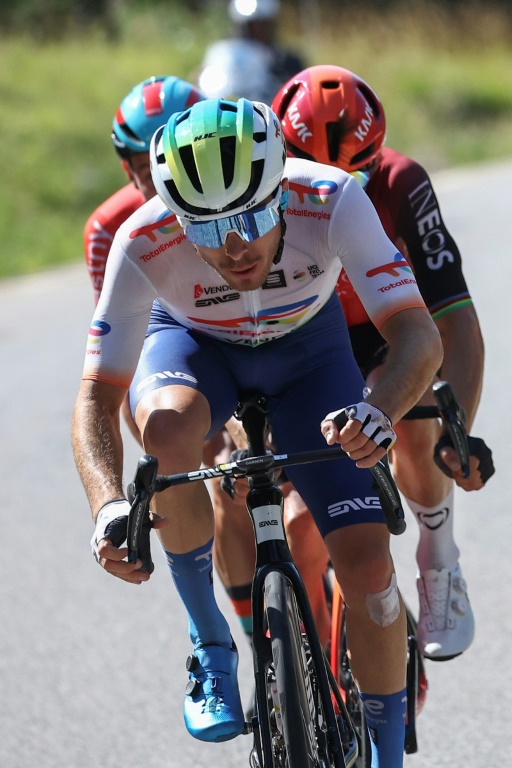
(148, 106)
(332, 116)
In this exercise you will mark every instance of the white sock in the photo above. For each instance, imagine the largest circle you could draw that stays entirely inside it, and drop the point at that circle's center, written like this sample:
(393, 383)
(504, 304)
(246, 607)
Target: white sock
(436, 547)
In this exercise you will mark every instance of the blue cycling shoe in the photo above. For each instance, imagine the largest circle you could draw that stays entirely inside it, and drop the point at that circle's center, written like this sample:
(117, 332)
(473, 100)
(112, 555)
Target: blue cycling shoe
(213, 709)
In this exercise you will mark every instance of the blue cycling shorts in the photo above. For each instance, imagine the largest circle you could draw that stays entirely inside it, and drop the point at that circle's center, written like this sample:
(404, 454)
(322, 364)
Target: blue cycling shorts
(303, 375)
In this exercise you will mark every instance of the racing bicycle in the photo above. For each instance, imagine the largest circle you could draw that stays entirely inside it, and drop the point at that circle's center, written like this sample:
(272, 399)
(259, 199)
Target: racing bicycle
(301, 718)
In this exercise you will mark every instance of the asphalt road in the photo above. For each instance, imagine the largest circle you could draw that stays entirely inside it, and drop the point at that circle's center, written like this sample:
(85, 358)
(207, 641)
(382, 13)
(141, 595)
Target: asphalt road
(91, 669)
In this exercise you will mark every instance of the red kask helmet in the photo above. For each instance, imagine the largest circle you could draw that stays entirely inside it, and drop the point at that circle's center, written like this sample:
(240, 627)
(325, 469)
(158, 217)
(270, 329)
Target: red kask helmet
(332, 116)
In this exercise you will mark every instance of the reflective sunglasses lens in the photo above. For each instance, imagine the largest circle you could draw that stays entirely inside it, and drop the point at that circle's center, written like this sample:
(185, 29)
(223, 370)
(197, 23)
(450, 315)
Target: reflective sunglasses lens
(204, 233)
(249, 226)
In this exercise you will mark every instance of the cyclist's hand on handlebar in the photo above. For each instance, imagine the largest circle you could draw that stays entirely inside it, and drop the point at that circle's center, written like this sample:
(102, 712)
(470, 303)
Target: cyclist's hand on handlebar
(480, 462)
(109, 534)
(363, 431)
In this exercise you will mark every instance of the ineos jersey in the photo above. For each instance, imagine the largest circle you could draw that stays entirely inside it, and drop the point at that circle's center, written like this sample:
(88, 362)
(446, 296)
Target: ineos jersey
(402, 194)
(330, 223)
(101, 227)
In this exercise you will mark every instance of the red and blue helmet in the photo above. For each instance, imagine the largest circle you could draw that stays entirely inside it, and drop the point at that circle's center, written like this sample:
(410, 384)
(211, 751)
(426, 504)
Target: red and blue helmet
(148, 106)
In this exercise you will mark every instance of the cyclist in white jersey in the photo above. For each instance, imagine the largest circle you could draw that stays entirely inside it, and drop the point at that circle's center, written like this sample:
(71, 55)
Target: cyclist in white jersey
(244, 271)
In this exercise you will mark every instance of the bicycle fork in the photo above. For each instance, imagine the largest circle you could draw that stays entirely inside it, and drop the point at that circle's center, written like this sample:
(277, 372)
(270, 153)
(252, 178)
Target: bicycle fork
(265, 506)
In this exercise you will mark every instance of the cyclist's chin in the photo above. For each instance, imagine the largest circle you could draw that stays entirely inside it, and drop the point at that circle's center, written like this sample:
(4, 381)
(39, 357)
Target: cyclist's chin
(249, 279)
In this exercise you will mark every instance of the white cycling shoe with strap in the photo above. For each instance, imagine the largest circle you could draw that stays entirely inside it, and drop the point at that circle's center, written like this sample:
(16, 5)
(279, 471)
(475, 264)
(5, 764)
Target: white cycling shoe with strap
(446, 625)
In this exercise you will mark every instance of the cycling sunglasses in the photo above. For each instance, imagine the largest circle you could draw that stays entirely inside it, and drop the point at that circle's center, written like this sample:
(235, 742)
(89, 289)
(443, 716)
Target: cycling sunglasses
(249, 226)
(362, 177)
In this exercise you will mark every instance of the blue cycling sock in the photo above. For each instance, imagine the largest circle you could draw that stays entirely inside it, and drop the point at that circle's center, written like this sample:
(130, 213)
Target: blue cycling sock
(193, 576)
(385, 717)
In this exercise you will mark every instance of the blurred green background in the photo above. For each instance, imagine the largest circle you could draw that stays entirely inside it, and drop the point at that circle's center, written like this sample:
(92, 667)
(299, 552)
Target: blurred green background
(442, 69)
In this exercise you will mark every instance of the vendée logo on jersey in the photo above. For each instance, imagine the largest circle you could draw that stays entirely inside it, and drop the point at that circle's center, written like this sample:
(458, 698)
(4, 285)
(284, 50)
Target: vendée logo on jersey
(166, 224)
(318, 193)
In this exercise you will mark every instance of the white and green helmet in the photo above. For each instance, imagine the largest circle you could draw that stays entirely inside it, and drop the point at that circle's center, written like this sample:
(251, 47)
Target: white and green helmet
(218, 158)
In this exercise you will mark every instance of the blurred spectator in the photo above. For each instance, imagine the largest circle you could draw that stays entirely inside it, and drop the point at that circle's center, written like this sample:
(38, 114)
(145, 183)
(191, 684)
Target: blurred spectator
(251, 63)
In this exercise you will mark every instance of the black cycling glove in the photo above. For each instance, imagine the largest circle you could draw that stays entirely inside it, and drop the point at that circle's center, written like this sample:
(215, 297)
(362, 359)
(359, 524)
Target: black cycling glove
(477, 447)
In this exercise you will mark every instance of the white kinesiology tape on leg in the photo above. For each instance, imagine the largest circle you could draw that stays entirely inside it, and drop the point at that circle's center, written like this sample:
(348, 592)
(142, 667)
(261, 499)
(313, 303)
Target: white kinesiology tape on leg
(384, 607)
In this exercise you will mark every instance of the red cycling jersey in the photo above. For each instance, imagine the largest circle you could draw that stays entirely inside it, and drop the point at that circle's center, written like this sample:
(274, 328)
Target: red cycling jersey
(402, 194)
(100, 230)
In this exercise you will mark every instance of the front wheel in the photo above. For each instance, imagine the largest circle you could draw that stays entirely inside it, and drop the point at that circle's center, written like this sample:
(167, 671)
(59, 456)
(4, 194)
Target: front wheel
(309, 733)
(293, 697)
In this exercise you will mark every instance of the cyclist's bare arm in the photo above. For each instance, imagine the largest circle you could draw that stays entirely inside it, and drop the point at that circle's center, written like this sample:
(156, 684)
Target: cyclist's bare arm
(463, 358)
(98, 450)
(415, 354)
(463, 368)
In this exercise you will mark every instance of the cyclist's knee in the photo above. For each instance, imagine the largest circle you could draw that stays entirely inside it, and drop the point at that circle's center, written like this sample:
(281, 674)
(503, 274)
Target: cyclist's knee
(362, 561)
(173, 422)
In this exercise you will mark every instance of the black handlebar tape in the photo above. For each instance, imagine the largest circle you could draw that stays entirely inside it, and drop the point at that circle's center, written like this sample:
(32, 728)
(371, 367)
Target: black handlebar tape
(139, 524)
(455, 420)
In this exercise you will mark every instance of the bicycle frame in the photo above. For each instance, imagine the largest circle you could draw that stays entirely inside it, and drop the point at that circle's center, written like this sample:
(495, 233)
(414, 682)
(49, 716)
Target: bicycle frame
(265, 504)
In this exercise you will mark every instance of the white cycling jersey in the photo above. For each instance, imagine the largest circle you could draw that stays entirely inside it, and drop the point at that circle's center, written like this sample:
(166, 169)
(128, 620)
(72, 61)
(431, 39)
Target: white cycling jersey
(331, 224)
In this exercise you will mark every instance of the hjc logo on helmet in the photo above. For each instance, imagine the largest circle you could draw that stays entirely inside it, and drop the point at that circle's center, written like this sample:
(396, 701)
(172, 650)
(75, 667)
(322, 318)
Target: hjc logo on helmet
(203, 136)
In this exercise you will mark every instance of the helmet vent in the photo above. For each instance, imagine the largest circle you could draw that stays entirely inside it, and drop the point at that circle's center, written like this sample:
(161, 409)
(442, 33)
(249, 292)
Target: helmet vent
(187, 158)
(330, 84)
(365, 154)
(287, 99)
(227, 153)
(370, 98)
(126, 129)
(256, 176)
(335, 132)
(172, 189)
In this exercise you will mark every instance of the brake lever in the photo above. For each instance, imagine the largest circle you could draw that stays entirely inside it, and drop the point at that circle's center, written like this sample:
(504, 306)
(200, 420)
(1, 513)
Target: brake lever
(140, 493)
(455, 419)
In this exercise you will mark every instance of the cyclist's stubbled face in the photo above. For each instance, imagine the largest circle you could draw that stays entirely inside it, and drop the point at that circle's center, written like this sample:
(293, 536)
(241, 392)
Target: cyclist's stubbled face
(140, 174)
(243, 266)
